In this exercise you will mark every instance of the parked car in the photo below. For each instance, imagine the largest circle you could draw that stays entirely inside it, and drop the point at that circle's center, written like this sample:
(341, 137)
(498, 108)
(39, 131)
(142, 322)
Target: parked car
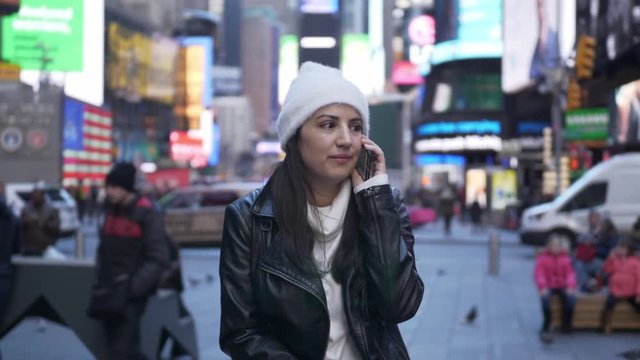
(609, 188)
(19, 194)
(195, 215)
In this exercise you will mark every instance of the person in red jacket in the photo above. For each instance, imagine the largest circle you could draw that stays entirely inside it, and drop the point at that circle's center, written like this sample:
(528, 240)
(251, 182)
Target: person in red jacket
(554, 275)
(623, 271)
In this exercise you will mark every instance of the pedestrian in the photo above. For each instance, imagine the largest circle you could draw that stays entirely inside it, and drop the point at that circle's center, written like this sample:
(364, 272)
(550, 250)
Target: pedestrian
(554, 276)
(623, 271)
(475, 212)
(92, 202)
(446, 204)
(132, 256)
(40, 224)
(10, 242)
(319, 264)
(607, 239)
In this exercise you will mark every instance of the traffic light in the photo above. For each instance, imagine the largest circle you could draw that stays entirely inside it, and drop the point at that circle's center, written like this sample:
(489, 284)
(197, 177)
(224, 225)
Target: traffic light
(574, 95)
(585, 57)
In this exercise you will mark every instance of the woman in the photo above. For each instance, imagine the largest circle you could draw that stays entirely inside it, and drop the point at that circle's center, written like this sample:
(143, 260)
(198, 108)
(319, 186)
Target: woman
(319, 264)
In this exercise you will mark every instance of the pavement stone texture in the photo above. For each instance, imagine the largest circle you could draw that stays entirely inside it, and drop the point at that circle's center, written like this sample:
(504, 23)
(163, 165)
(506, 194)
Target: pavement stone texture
(455, 271)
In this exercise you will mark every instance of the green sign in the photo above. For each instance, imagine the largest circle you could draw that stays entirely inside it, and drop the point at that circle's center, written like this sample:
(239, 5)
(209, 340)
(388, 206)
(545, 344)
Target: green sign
(45, 34)
(586, 124)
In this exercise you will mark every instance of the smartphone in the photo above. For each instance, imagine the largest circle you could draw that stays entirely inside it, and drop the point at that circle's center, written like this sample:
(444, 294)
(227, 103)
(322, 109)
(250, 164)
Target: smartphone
(364, 166)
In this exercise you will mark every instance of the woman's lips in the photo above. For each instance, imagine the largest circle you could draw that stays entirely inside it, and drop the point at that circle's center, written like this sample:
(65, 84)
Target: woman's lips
(341, 159)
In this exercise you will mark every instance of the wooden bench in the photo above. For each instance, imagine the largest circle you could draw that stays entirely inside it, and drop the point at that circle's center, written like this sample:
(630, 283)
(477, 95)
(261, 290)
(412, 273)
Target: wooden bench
(588, 313)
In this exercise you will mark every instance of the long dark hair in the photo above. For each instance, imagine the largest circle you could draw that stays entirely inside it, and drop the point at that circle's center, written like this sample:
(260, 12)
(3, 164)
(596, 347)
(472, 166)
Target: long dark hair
(291, 191)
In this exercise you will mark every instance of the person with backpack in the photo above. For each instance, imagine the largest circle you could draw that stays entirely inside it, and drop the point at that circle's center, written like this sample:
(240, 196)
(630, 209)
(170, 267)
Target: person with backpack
(132, 256)
(319, 263)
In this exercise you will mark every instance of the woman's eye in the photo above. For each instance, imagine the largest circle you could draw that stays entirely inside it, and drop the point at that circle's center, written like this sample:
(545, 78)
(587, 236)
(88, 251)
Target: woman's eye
(327, 125)
(356, 127)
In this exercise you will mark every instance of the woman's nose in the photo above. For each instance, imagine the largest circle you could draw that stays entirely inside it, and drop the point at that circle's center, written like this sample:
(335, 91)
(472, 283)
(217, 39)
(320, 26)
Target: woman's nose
(344, 136)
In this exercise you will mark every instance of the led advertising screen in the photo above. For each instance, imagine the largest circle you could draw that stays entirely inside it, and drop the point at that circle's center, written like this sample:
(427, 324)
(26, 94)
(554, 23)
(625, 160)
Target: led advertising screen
(625, 128)
(538, 34)
(45, 34)
(503, 189)
(476, 187)
(319, 6)
(86, 85)
(193, 79)
(468, 30)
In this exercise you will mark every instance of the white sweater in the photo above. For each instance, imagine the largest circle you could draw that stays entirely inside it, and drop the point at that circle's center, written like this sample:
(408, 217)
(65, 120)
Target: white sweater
(328, 232)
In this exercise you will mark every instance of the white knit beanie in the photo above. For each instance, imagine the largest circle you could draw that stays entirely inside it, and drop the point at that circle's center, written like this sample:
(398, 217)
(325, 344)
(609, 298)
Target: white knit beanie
(316, 86)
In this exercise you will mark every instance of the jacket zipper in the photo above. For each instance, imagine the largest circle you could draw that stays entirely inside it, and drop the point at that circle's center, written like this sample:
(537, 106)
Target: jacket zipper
(307, 289)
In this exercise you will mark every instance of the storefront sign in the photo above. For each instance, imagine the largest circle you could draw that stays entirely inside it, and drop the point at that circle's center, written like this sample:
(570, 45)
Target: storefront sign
(45, 35)
(185, 147)
(459, 127)
(459, 143)
(586, 124)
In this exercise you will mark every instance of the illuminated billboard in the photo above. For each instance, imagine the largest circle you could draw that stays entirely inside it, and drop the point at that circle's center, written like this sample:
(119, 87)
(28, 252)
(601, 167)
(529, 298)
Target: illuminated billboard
(193, 79)
(468, 30)
(538, 34)
(45, 35)
(625, 127)
(86, 85)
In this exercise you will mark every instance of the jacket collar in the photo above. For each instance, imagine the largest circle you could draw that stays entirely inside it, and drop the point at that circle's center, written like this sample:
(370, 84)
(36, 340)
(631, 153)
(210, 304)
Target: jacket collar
(263, 203)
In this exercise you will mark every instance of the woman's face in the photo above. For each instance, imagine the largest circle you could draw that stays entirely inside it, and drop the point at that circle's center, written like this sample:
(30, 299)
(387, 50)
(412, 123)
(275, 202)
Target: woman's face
(330, 142)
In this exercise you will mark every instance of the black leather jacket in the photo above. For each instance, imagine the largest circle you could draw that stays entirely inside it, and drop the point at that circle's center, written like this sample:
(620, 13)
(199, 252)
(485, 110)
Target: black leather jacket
(277, 312)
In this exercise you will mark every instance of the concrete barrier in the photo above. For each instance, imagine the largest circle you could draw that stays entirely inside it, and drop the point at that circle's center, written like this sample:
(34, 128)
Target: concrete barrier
(59, 290)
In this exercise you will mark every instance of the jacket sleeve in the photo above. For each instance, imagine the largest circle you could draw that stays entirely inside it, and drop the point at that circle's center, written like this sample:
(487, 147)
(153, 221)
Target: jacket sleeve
(154, 257)
(394, 285)
(538, 273)
(241, 335)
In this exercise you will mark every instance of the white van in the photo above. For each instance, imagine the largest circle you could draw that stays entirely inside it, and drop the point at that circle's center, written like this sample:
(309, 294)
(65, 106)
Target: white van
(612, 188)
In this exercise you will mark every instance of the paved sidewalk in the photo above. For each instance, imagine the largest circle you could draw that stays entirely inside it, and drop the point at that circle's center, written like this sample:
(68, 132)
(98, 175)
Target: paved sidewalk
(456, 278)
(463, 233)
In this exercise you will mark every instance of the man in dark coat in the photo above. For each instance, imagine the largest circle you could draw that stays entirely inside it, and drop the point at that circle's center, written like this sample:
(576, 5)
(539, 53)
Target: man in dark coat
(40, 224)
(132, 255)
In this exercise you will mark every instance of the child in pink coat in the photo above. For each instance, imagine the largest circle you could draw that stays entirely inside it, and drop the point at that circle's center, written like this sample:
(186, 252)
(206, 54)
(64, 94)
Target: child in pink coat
(623, 272)
(554, 275)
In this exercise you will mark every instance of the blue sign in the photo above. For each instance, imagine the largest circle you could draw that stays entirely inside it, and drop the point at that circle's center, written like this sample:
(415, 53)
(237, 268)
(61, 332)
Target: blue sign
(431, 159)
(214, 157)
(459, 127)
(72, 125)
(531, 127)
